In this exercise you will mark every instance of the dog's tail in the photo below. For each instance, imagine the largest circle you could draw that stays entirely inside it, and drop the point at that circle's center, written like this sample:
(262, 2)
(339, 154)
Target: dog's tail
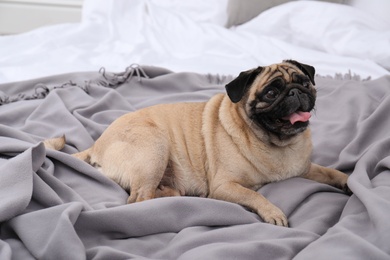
(55, 143)
(58, 143)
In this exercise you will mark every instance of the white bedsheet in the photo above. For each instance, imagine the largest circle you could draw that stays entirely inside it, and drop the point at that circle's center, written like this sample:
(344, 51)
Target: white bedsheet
(114, 34)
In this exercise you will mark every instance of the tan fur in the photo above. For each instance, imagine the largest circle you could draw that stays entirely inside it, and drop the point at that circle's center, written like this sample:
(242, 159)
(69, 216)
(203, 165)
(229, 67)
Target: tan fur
(209, 149)
(55, 143)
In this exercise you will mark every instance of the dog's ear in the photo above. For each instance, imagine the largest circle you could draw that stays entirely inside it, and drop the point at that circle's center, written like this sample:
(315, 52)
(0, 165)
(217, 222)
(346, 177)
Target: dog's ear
(307, 69)
(237, 88)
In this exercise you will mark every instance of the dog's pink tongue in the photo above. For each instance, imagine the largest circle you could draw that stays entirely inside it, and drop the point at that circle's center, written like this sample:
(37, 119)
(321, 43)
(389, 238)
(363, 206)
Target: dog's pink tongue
(298, 116)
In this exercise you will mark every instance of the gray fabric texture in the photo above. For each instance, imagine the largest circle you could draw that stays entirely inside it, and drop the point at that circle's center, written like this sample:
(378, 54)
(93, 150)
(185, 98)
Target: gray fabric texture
(53, 206)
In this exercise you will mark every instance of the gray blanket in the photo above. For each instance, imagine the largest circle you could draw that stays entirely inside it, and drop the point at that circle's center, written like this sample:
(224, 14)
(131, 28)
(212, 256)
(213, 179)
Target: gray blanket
(53, 206)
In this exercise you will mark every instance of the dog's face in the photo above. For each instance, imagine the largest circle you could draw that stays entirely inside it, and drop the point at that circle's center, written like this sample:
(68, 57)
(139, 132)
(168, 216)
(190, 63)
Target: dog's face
(278, 98)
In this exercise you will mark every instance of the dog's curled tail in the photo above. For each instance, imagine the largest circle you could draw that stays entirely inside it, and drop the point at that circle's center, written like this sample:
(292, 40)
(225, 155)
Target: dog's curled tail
(56, 143)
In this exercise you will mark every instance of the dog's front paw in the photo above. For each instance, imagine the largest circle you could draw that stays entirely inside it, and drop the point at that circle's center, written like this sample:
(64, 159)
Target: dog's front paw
(343, 184)
(274, 215)
(347, 190)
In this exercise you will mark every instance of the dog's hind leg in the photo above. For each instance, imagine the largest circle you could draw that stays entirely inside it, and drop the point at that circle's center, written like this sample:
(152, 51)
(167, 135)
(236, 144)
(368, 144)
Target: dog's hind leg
(165, 191)
(84, 155)
(137, 166)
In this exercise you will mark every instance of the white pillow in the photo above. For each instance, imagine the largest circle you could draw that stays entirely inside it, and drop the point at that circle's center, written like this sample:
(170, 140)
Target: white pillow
(203, 11)
(330, 28)
(241, 11)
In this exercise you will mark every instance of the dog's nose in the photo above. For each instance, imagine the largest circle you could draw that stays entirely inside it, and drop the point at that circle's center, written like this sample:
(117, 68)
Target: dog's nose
(294, 92)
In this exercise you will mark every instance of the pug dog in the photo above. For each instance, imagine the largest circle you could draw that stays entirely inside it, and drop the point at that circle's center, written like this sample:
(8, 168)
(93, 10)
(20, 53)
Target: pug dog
(225, 148)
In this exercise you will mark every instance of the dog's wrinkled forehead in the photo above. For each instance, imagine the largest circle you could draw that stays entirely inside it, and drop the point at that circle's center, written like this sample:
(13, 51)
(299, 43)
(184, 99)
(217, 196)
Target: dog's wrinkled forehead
(289, 70)
(289, 73)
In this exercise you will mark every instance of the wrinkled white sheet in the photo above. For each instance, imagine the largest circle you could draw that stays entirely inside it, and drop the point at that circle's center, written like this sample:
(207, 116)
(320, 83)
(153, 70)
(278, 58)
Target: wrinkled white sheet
(185, 36)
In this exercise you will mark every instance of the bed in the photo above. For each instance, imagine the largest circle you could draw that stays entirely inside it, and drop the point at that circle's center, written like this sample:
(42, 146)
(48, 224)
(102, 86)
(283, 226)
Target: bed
(75, 79)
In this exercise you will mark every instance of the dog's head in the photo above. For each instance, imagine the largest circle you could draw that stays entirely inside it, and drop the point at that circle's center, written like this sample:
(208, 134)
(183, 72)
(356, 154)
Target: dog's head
(278, 98)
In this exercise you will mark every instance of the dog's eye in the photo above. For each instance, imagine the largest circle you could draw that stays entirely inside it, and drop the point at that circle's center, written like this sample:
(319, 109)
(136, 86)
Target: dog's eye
(271, 94)
(306, 84)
